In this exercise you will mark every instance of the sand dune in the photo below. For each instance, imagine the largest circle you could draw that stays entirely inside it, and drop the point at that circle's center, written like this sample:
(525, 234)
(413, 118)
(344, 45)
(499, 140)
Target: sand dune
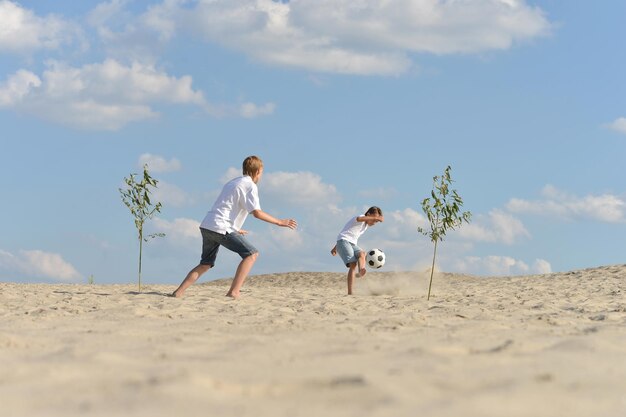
(295, 345)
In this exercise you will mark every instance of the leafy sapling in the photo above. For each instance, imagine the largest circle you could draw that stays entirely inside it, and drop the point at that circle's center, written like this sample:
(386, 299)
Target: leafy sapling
(137, 199)
(442, 209)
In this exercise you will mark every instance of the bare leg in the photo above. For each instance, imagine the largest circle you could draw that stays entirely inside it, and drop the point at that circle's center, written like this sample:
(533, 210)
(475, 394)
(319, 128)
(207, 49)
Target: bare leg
(191, 277)
(240, 276)
(351, 273)
(362, 270)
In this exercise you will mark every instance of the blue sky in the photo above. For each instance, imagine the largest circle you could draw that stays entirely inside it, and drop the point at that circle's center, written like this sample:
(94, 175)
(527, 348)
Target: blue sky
(349, 104)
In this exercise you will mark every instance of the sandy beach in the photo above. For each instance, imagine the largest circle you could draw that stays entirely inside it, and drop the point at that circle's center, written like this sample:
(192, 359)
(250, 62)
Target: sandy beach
(295, 345)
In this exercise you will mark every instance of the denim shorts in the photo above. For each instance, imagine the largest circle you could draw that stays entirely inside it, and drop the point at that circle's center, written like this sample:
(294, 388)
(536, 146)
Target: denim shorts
(235, 242)
(348, 252)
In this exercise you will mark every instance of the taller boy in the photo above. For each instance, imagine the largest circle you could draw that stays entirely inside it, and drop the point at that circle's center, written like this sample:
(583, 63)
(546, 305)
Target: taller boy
(222, 226)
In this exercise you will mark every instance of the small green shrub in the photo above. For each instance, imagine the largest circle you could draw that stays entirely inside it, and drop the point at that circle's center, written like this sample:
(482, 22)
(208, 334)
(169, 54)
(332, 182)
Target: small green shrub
(137, 198)
(442, 210)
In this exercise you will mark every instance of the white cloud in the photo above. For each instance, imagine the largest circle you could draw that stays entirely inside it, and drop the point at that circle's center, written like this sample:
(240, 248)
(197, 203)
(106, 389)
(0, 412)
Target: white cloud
(618, 125)
(181, 230)
(353, 37)
(127, 36)
(38, 264)
(106, 12)
(500, 265)
(491, 265)
(250, 110)
(158, 163)
(107, 95)
(424, 25)
(287, 239)
(158, 18)
(299, 188)
(606, 207)
(102, 96)
(231, 173)
(171, 195)
(402, 224)
(541, 266)
(17, 86)
(497, 226)
(22, 31)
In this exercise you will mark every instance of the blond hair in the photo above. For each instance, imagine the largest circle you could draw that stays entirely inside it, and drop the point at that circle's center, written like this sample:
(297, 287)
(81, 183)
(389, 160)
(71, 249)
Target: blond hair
(251, 165)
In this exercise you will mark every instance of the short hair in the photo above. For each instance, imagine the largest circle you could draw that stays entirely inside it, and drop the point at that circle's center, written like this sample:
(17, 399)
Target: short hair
(251, 165)
(374, 211)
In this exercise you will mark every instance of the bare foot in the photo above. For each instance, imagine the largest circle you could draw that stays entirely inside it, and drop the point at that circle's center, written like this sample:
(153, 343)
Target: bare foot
(177, 294)
(233, 294)
(362, 272)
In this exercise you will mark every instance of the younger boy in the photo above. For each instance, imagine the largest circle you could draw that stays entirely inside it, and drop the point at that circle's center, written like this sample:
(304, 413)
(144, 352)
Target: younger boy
(222, 226)
(346, 246)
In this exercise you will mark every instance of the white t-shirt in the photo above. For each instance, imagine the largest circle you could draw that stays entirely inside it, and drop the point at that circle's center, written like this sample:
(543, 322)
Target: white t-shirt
(239, 197)
(352, 230)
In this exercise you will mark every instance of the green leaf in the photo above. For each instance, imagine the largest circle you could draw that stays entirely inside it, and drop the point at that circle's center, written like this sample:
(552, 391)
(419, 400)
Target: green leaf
(136, 198)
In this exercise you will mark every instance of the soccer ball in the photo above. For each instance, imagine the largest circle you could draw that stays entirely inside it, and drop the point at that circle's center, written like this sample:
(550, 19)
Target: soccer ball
(375, 258)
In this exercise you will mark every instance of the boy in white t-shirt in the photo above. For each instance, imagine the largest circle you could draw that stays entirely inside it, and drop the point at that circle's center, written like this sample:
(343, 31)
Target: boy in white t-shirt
(351, 255)
(222, 226)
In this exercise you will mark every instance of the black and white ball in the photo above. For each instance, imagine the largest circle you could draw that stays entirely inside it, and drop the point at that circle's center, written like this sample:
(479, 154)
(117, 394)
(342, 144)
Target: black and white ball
(375, 258)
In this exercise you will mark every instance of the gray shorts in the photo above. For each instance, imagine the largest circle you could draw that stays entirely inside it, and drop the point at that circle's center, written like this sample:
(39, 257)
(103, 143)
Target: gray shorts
(348, 252)
(235, 242)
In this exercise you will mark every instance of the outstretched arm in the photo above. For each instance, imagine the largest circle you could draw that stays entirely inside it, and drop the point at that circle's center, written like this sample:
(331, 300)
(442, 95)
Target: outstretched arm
(266, 217)
(372, 218)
